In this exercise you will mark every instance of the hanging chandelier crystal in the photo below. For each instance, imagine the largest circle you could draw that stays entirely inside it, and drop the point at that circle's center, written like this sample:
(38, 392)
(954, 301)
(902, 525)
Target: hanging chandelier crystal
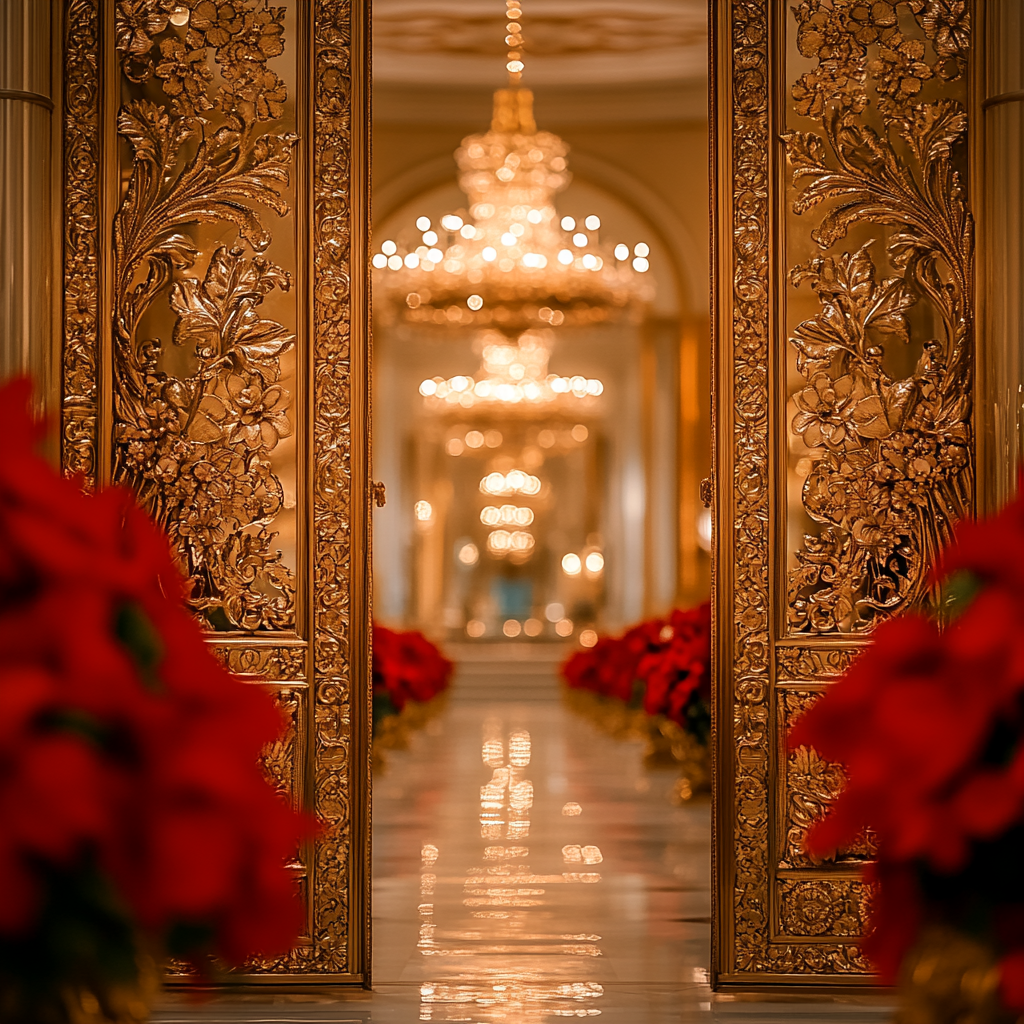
(511, 374)
(513, 264)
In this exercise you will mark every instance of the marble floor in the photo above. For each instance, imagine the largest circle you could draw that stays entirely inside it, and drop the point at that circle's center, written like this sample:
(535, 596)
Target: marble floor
(528, 869)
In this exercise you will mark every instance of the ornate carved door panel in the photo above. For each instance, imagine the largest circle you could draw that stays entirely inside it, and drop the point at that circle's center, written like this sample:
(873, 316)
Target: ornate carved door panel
(844, 356)
(215, 359)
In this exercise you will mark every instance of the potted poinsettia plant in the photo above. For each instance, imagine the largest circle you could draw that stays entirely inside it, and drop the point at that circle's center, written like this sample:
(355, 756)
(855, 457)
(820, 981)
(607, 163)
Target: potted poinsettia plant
(409, 674)
(929, 725)
(136, 821)
(655, 681)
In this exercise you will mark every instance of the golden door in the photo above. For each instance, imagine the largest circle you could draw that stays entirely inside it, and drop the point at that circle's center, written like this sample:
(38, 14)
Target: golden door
(215, 360)
(844, 351)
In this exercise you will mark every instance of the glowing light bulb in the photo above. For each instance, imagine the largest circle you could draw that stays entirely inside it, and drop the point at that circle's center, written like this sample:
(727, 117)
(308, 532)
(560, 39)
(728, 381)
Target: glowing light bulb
(380, 261)
(568, 224)
(592, 222)
(565, 257)
(641, 265)
(641, 249)
(571, 564)
(451, 222)
(430, 238)
(580, 239)
(423, 223)
(621, 252)
(489, 254)
(595, 562)
(389, 248)
(428, 387)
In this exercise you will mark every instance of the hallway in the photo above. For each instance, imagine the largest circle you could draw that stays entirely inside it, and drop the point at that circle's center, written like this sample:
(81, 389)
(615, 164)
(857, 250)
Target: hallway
(527, 868)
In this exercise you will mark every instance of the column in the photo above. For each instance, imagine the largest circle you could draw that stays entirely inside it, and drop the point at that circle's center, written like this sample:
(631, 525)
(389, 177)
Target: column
(28, 222)
(1000, 207)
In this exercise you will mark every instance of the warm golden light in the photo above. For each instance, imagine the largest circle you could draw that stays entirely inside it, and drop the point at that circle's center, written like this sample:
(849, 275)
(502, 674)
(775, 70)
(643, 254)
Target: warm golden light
(475, 628)
(469, 554)
(571, 809)
(512, 374)
(588, 638)
(510, 542)
(513, 482)
(423, 511)
(519, 749)
(506, 515)
(595, 562)
(571, 564)
(564, 627)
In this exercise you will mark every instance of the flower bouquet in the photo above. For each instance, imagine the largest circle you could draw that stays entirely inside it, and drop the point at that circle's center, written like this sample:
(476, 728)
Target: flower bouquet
(653, 682)
(929, 726)
(409, 672)
(136, 821)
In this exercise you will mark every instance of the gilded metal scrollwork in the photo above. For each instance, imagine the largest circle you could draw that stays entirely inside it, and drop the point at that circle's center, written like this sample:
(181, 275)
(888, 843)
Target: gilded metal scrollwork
(80, 385)
(195, 443)
(891, 455)
(207, 332)
(879, 154)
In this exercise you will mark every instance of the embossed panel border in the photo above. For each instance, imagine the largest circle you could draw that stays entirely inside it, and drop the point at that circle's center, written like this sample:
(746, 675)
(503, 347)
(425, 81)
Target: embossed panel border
(320, 671)
(779, 922)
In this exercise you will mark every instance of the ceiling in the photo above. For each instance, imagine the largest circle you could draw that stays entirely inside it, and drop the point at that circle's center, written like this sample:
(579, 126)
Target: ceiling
(434, 43)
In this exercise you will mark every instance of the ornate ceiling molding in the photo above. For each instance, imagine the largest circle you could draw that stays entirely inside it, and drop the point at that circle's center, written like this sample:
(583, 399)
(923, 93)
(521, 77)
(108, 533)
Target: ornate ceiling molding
(610, 41)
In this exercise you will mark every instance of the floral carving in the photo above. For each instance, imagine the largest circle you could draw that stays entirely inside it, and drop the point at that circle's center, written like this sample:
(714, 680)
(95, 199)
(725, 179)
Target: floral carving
(200, 406)
(811, 785)
(817, 907)
(786, 917)
(195, 443)
(890, 456)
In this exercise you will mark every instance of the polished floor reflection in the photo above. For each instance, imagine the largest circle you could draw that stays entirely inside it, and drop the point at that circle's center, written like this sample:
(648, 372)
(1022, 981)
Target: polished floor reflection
(529, 869)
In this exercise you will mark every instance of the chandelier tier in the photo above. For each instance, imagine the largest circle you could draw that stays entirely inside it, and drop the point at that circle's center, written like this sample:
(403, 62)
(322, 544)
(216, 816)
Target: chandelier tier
(512, 264)
(513, 377)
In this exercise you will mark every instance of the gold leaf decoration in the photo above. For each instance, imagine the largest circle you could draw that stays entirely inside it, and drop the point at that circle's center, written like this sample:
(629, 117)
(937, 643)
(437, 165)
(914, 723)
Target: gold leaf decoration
(890, 453)
(194, 429)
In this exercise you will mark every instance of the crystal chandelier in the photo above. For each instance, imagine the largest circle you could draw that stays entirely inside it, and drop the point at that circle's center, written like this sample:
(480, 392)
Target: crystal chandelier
(511, 374)
(514, 264)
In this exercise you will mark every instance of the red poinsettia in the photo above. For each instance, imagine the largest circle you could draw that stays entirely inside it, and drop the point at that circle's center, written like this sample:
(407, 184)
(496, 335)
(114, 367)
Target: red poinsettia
(128, 755)
(663, 663)
(929, 724)
(406, 666)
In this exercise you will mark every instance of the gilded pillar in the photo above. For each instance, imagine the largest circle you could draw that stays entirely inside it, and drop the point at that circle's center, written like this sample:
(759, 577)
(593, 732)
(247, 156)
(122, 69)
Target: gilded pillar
(1001, 251)
(27, 224)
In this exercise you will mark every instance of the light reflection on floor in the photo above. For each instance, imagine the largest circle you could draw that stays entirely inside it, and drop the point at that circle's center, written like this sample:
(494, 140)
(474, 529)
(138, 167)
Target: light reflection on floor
(528, 869)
